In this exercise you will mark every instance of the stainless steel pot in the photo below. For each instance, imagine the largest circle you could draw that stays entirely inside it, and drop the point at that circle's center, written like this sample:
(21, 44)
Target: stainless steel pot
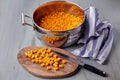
(64, 38)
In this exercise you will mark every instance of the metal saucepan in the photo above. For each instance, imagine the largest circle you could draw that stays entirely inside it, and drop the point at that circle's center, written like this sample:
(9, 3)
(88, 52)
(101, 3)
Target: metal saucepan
(63, 37)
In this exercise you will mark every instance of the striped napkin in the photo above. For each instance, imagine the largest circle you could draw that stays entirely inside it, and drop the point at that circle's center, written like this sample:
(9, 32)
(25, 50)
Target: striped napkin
(97, 37)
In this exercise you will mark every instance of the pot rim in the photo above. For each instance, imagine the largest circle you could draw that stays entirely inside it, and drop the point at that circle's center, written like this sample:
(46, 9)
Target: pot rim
(57, 30)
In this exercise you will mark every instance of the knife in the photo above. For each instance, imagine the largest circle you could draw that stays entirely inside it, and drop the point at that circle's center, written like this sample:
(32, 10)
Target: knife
(81, 63)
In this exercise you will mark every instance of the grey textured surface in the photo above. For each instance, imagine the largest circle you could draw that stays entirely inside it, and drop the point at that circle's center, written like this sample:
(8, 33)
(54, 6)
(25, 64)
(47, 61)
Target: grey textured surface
(13, 37)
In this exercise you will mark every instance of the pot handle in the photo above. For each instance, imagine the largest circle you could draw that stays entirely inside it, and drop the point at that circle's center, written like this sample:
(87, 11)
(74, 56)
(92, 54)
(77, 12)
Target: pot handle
(39, 30)
(23, 20)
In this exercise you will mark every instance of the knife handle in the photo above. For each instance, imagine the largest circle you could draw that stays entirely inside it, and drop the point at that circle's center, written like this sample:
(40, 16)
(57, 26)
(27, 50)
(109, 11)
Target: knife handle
(95, 70)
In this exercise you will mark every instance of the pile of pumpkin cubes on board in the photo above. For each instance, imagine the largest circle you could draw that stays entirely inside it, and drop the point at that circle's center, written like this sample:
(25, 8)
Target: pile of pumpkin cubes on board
(46, 58)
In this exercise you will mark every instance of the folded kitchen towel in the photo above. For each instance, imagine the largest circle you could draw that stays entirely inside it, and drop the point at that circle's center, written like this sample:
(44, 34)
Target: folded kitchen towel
(97, 37)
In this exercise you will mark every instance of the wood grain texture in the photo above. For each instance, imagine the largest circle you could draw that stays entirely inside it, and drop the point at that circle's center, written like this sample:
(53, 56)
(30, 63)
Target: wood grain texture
(69, 69)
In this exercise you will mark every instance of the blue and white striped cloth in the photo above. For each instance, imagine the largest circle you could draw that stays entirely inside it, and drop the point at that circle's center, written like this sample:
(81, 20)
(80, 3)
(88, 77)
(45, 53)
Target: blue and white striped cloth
(97, 37)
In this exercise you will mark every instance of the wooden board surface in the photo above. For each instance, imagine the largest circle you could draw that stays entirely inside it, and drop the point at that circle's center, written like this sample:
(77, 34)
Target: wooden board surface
(69, 69)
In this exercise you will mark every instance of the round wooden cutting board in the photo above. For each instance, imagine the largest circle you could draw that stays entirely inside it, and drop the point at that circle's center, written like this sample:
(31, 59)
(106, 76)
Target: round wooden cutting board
(69, 69)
